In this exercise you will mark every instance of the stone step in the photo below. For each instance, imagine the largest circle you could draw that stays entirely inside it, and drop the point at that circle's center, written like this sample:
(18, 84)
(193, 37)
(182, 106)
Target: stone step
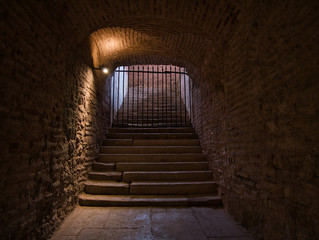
(153, 93)
(148, 109)
(169, 107)
(155, 111)
(161, 166)
(167, 176)
(152, 130)
(150, 149)
(106, 187)
(156, 94)
(106, 176)
(114, 158)
(162, 122)
(99, 166)
(164, 188)
(149, 200)
(151, 142)
(152, 125)
(152, 135)
(156, 114)
(155, 100)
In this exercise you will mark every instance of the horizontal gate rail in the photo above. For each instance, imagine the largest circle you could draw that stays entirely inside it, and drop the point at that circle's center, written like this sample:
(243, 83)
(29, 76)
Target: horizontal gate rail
(151, 96)
(143, 71)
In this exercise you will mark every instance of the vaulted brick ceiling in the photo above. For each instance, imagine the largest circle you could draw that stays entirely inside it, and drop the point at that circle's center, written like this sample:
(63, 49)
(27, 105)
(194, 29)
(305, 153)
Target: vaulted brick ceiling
(131, 32)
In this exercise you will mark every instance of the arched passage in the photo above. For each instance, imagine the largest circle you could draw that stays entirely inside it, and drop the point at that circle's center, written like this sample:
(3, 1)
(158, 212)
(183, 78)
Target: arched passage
(256, 101)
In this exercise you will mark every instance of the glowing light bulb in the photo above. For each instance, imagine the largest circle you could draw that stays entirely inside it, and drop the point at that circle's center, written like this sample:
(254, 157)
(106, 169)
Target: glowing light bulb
(105, 70)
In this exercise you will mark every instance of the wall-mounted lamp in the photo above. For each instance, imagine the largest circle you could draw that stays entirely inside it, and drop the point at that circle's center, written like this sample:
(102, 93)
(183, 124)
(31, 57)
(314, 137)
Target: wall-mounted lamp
(103, 68)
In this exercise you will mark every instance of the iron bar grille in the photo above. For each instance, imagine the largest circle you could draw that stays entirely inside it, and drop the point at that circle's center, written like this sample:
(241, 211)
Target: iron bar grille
(151, 96)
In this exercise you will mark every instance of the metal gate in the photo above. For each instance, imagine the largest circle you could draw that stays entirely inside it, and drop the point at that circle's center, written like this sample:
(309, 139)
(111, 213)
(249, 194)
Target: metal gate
(151, 96)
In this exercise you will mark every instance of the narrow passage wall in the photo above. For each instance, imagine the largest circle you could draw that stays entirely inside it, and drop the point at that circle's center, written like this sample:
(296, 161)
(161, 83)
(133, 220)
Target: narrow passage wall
(259, 122)
(51, 120)
(254, 65)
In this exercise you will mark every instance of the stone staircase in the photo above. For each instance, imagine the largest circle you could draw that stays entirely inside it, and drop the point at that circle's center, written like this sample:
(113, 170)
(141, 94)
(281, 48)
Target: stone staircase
(150, 167)
(152, 108)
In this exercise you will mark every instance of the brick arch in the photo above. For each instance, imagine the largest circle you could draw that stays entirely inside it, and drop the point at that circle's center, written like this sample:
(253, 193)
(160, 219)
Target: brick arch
(182, 30)
(125, 46)
(203, 18)
(149, 58)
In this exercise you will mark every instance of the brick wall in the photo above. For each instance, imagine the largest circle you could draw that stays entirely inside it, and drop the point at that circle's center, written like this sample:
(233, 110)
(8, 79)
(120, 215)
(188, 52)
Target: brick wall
(51, 120)
(260, 130)
(254, 65)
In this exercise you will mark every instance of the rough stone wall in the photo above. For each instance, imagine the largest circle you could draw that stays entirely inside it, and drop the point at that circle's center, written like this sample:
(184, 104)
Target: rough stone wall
(260, 130)
(50, 120)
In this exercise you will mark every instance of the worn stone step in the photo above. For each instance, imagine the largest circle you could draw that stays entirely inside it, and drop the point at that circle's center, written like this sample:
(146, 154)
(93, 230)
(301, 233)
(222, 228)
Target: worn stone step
(152, 130)
(117, 142)
(156, 103)
(152, 135)
(166, 142)
(149, 200)
(152, 125)
(167, 176)
(155, 115)
(151, 142)
(156, 94)
(114, 158)
(163, 188)
(107, 176)
(161, 166)
(99, 166)
(177, 120)
(159, 124)
(153, 112)
(159, 116)
(105, 187)
(149, 111)
(150, 149)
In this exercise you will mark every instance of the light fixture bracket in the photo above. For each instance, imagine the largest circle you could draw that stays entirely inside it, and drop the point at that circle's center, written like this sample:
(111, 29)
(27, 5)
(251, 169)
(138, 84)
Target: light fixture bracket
(103, 68)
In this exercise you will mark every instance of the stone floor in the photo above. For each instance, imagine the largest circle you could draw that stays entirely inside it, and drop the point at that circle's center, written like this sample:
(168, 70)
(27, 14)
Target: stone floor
(88, 223)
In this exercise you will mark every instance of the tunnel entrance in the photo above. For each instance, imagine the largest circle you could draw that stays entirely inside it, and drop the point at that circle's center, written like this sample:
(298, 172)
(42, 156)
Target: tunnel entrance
(151, 96)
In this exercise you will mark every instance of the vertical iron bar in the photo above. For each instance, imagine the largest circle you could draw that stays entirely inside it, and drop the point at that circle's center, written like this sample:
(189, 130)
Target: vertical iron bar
(157, 98)
(185, 101)
(113, 80)
(138, 92)
(152, 95)
(118, 99)
(128, 97)
(190, 100)
(162, 99)
(123, 103)
(148, 94)
(166, 93)
(143, 100)
(170, 68)
(175, 98)
(133, 98)
(180, 97)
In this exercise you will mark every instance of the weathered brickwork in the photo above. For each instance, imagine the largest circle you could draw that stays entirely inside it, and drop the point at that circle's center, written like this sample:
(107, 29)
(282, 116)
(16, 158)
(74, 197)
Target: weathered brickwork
(260, 130)
(254, 65)
(50, 122)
